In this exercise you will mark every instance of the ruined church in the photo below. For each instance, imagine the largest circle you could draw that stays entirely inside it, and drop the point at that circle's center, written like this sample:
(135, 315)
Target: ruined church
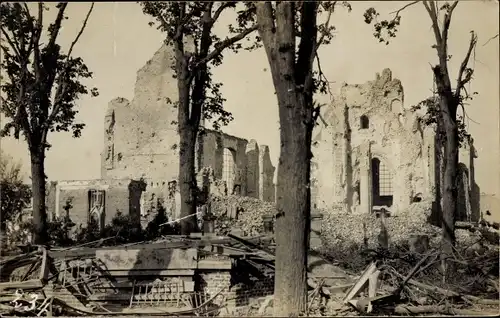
(373, 151)
(140, 160)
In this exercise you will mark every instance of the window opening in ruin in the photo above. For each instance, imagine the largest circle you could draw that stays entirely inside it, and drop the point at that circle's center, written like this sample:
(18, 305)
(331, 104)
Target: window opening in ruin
(382, 183)
(96, 206)
(228, 168)
(365, 122)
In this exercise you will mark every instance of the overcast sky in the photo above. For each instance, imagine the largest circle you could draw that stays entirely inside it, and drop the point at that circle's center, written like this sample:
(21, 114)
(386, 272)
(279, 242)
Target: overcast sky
(118, 41)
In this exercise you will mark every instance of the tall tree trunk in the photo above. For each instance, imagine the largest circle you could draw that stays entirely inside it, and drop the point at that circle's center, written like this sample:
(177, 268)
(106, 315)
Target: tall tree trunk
(187, 180)
(38, 188)
(187, 133)
(448, 105)
(450, 186)
(293, 84)
(293, 203)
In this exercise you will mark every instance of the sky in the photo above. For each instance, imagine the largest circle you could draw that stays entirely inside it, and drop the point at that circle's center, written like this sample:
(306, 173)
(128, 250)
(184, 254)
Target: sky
(118, 41)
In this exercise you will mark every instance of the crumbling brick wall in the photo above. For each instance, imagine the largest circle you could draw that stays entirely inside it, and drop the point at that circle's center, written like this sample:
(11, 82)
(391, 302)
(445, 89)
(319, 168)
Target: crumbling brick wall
(117, 198)
(141, 138)
(212, 144)
(370, 121)
(235, 294)
(266, 176)
(253, 172)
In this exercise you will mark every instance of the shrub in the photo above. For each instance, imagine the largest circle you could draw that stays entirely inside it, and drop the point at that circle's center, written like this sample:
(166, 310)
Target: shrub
(155, 229)
(60, 232)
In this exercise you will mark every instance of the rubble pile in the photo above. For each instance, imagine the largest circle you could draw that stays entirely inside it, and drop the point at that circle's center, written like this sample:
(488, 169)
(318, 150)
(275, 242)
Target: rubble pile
(155, 278)
(346, 234)
(87, 280)
(244, 213)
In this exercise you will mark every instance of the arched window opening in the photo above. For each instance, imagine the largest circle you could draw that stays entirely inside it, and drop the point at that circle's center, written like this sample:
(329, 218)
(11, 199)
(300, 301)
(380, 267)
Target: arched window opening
(97, 207)
(381, 183)
(228, 168)
(365, 122)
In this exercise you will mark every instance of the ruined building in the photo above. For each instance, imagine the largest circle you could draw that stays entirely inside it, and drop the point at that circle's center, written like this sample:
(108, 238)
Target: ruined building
(371, 150)
(140, 160)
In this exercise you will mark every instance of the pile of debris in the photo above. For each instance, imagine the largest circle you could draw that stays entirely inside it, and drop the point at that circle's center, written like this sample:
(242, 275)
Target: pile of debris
(412, 285)
(92, 280)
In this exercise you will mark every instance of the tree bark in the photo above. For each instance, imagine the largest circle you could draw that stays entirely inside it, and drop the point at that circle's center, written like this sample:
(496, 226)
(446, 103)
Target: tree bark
(293, 204)
(449, 184)
(448, 104)
(38, 189)
(294, 94)
(187, 180)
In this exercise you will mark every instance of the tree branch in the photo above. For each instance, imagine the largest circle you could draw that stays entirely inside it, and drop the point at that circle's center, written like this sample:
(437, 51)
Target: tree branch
(57, 25)
(446, 25)
(11, 44)
(62, 85)
(37, 32)
(463, 67)
(266, 26)
(327, 24)
(33, 27)
(308, 44)
(397, 12)
(435, 23)
(286, 37)
(322, 75)
(79, 33)
(21, 116)
(219, 47)
(46, 75)
(224, 5)
(61, 92)
(490, 39)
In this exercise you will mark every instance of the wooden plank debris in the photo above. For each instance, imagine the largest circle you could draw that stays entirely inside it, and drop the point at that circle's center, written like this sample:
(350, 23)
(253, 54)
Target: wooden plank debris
(361, 283)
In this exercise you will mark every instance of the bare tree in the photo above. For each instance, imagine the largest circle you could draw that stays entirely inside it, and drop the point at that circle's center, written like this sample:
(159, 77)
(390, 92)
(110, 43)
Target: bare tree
(183, 21)
(40, 89)
(449, 100)
(281, 24)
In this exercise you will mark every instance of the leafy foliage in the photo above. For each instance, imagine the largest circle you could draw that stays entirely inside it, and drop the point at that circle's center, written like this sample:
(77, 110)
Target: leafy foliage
(21, 235)
(432, 118)
(41, 84)
(121, 230)
(155, 229)
(389, 26)
(60, 232)
(15, 195)
(40, 87)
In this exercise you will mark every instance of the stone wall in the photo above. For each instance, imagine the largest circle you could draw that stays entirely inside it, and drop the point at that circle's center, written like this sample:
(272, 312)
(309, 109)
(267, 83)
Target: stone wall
(212, 144)
(141, 143)
(117, 198)
(266, 176)
(141, 139)
(366, 122)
